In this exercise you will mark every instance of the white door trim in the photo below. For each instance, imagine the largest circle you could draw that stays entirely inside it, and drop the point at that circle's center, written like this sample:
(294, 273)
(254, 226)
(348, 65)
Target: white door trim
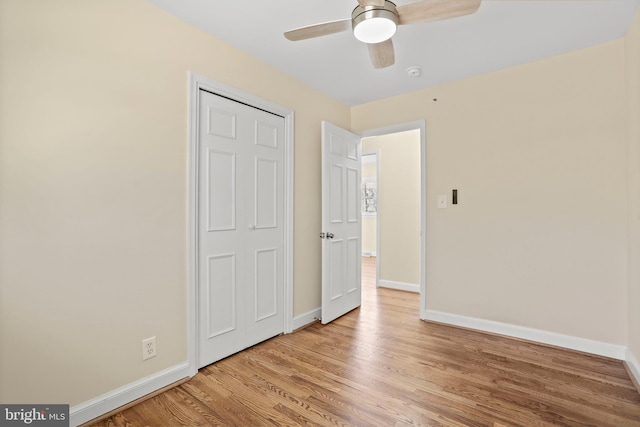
(422, 126)
(197, 82)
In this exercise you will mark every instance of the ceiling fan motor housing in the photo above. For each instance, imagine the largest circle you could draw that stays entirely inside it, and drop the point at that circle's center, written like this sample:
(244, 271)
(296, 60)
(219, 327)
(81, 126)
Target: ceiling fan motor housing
(384, 19)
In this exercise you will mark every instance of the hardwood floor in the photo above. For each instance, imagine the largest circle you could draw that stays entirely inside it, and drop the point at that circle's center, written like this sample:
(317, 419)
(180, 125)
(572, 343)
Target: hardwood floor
(381, 366)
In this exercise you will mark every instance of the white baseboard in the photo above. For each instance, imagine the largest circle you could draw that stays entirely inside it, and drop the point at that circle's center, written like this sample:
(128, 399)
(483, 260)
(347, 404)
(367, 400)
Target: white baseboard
(551, 338)
(369, 254)
(306, 318)
(114, 399)
(410, 287)
(633, 364)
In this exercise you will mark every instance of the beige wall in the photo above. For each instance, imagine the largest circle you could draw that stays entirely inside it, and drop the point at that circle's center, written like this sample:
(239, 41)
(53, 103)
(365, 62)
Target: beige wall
(93, 189)
(399, 205)
(538, 155)
(632, 56)
(369, 235)
(368, 169)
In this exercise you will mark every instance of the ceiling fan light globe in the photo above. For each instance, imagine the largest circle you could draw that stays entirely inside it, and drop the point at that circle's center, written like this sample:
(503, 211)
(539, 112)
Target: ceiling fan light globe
(375, 30)
(374, 24)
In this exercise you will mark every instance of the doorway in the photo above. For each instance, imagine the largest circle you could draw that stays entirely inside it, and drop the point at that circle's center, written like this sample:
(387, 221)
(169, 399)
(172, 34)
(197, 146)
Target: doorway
(399, 231)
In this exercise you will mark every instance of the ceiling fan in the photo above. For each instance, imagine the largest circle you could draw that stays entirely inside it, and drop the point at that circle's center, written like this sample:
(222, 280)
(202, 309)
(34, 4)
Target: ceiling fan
(375, 21)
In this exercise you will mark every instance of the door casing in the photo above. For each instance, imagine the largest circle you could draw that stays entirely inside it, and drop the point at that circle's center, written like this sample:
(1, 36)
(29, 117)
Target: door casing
(197, 82)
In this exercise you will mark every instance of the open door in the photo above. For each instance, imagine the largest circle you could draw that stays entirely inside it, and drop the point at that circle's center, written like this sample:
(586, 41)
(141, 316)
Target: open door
(341, 222)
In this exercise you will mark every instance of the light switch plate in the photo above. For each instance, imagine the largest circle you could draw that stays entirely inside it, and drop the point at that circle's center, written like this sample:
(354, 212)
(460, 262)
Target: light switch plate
(442, 201)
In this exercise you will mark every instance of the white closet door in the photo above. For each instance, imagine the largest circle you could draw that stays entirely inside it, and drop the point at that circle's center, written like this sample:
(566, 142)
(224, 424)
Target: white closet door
(241, 226)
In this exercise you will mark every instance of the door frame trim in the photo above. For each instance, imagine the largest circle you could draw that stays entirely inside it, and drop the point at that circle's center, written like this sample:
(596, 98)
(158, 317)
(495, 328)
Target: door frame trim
(402, 127)
(197, 82)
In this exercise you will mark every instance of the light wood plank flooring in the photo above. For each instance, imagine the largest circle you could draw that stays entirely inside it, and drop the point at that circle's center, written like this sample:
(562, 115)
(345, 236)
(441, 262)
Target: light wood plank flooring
(381, 366)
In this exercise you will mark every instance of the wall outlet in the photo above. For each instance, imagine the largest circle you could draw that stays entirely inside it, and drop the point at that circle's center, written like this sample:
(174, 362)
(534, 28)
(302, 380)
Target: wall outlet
(149, 349)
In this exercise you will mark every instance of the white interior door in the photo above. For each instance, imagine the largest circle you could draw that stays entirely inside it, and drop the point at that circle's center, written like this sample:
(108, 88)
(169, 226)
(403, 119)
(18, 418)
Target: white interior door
(241, 227)
(341, 222)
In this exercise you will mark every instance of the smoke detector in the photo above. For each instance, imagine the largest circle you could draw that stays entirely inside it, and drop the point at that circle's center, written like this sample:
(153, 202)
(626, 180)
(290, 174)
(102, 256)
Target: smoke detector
(414, 71)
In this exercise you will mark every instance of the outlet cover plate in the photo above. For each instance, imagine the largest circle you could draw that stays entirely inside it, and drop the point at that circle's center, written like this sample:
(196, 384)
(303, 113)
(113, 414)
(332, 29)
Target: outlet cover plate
(149, 348)
(442, 201)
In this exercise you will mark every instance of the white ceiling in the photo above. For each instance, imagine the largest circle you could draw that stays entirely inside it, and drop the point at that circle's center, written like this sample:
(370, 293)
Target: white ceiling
(502, 33)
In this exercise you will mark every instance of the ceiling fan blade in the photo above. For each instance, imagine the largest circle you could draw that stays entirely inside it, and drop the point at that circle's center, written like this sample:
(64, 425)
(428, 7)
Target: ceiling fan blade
(434, 10)
(382, 54)
(318, 30)
(363, 3)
